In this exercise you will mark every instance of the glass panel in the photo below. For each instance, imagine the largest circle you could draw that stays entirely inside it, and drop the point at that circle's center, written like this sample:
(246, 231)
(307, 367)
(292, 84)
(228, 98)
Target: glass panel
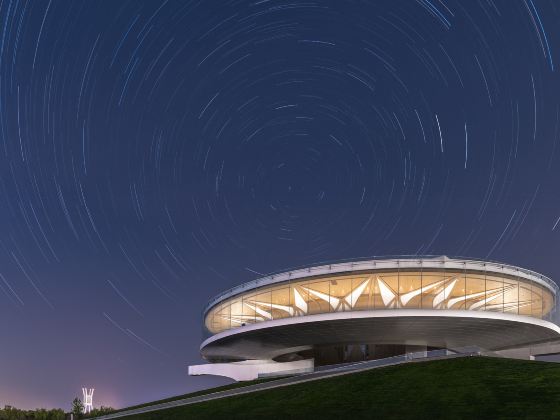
(410, 290)
(299, 296)
(511, 296)
(524, 298)
(248, 315)
(226, 318)
(280, 303)
(494, 294)
(236, 312)
(388, 285)
(536, 301)
(376, 300)
(209, 321)
(221, 320)
(362, 288)
(475, 292)
(548, 303)
(432, 289)
(214, 319)
(454, 291)
(340, 294)
(261, 305)
(319, 297)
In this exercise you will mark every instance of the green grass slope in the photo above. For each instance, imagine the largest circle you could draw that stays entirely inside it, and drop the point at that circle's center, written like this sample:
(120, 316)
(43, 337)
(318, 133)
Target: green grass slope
(465, 388)
(194, 394)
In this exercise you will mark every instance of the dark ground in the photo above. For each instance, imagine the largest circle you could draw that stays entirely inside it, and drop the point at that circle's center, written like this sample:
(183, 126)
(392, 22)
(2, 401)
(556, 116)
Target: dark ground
(472, 388)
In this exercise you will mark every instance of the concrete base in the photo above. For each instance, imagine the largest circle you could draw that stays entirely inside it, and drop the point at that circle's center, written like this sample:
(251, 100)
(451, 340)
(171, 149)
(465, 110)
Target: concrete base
(253, 369)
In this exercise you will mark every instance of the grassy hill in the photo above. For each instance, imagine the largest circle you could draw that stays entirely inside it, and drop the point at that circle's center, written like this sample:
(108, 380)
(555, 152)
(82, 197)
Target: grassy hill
(473, 388)
(193, 394)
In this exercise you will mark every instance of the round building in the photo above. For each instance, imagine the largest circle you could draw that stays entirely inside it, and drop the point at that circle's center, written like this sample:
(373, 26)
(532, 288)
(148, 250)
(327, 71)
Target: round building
(376, 308)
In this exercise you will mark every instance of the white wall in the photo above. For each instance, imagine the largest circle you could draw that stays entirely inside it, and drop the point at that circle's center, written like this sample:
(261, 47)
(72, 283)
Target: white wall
(251, 369)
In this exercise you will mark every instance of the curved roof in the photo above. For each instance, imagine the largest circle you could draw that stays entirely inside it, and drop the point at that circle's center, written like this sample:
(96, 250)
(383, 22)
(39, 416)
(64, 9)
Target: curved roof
(387, 263)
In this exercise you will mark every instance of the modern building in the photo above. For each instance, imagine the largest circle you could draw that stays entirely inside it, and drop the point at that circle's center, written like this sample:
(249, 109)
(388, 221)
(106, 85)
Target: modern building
(361, 310)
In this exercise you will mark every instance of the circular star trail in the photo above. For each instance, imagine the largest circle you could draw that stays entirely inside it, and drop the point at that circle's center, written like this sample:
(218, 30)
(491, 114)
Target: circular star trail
(155, 153)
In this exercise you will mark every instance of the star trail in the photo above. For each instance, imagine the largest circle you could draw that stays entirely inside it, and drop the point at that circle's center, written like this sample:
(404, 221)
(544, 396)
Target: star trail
(155, 153)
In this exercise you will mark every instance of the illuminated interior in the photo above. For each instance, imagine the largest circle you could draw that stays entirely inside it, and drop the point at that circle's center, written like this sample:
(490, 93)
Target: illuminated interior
(475, 291)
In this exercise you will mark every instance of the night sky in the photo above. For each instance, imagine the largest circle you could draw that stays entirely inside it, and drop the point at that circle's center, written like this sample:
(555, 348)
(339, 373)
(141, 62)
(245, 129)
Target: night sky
(153, 154)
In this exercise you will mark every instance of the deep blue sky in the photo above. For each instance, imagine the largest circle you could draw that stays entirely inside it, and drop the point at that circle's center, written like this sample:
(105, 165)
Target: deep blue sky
(155, 153)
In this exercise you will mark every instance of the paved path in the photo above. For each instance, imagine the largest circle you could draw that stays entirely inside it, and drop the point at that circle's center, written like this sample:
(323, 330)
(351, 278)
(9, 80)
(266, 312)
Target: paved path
(337, 371)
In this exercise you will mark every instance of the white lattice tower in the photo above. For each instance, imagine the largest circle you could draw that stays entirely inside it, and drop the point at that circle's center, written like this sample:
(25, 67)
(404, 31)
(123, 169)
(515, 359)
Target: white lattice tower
(88, 399)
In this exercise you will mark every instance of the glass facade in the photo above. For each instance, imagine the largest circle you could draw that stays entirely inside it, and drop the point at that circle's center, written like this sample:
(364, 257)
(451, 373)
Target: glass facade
(378, 290)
